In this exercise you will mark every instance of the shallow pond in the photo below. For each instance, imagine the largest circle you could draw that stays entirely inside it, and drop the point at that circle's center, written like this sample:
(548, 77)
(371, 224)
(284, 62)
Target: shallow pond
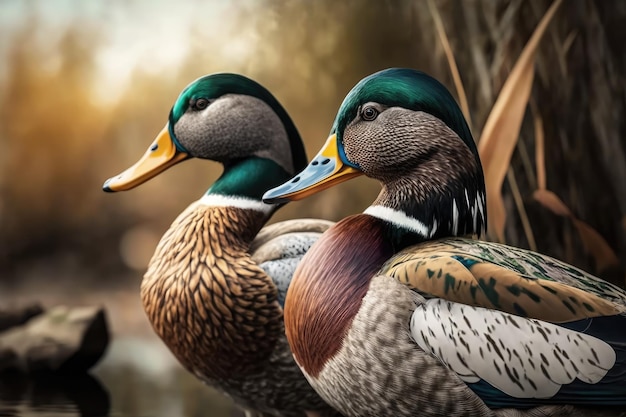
(137, 378)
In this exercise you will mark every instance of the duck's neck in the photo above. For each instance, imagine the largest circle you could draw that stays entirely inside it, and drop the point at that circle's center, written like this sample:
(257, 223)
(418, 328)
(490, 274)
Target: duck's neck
(249, 178)
(242, 185)
(423, 211)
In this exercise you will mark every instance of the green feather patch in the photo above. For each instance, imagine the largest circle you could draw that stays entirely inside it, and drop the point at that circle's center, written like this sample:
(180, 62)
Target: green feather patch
(249, 178)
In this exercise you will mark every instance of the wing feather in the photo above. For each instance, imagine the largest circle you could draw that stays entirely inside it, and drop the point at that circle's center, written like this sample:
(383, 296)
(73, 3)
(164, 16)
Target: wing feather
(504, 278)
(523, 358)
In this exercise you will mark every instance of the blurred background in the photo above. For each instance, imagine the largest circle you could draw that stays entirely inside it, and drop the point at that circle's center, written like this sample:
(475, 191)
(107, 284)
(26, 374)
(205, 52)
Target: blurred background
(86, 85)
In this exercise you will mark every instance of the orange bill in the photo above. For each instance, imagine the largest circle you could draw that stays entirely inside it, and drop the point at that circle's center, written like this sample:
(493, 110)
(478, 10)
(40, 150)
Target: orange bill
(161, 155)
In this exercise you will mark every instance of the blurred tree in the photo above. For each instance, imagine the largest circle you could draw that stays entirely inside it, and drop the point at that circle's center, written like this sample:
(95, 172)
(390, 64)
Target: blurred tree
(52, 131)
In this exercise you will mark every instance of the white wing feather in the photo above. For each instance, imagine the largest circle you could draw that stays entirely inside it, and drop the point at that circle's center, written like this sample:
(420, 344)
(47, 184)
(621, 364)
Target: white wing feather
(524, 358)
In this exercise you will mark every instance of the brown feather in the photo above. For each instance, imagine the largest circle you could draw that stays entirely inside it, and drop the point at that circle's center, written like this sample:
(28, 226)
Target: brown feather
(322, 302)
(210, 303)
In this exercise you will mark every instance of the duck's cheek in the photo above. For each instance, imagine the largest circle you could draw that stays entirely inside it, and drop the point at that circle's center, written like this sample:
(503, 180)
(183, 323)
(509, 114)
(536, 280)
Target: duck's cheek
(375, 155)
(362, 146)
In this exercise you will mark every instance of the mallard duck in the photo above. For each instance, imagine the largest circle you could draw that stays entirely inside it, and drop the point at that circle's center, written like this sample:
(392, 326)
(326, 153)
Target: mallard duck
(212, 291)
(401, 311)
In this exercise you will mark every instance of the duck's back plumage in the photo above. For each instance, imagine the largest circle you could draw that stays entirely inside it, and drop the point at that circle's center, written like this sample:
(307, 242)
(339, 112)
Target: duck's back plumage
(506, 278)
(279, 248)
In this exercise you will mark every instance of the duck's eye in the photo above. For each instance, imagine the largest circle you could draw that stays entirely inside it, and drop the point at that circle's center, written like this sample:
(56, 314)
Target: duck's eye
(201, 104)
(369, 113)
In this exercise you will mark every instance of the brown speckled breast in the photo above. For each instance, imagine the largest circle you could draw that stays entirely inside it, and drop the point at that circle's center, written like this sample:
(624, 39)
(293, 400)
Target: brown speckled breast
(210, 303)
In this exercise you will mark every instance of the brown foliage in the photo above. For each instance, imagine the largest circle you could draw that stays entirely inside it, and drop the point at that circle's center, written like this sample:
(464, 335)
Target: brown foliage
(501, 131)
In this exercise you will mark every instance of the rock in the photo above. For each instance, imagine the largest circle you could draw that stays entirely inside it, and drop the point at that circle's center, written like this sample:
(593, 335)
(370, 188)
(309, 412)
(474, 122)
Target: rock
(61, 340)
(16, 316)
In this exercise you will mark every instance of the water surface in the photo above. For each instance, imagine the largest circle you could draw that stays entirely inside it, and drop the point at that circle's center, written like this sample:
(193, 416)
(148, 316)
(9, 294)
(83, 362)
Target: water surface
(137, 378)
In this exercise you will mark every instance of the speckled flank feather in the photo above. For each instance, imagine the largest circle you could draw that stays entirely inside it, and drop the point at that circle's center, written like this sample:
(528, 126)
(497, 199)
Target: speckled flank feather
(217, 311)
(501, 277)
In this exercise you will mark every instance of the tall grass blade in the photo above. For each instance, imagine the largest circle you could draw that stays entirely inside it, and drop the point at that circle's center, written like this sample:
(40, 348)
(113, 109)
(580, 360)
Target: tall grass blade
(454, 70)
(502, 127)
(540, 159)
